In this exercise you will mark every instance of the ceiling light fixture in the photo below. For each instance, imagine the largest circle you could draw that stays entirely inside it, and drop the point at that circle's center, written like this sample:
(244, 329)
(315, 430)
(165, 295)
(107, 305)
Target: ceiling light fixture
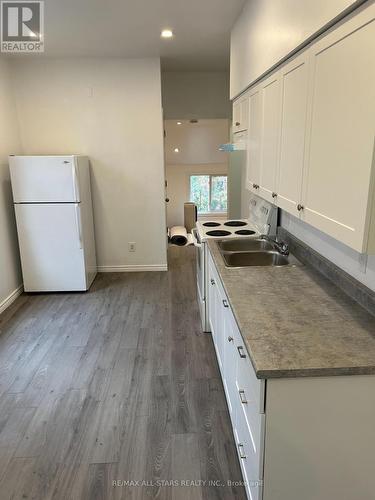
(167, 33)
(176, 150)
(179, 123)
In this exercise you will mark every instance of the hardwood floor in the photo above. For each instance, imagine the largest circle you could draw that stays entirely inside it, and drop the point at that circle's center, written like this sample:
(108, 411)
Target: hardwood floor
(117, 384)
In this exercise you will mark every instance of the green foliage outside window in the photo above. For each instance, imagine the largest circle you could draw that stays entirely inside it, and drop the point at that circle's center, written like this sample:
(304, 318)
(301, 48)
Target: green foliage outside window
(209, 193)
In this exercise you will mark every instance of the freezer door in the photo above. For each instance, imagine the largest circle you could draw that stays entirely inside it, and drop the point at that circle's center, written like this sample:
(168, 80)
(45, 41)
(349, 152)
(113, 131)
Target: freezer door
(50, 239)
(44, 179)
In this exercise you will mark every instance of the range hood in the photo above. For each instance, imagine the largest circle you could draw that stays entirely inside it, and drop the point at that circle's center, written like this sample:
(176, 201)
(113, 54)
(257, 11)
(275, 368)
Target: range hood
(239, 144)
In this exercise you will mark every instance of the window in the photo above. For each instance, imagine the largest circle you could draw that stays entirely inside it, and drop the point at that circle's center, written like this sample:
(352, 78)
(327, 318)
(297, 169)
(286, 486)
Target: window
(209, 193)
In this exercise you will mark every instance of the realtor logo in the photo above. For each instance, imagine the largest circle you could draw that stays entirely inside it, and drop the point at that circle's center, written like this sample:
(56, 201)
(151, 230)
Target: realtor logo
(22, 26)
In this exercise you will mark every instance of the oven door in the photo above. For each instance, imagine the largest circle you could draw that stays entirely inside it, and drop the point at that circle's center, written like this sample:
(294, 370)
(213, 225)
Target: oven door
(200, 272)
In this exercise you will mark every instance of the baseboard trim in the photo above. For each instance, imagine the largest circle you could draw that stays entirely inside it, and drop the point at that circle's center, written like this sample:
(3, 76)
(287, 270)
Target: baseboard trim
(132, 268)
(10, 299)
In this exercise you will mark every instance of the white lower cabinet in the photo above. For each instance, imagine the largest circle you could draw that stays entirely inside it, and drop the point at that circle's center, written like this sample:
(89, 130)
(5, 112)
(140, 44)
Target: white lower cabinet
(243, 391)
(251, 458)
(216, 312)
(310, 438)
(231, 340)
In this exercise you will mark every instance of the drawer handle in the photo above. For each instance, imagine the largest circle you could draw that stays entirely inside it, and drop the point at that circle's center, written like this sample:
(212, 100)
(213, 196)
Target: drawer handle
(300, 207)
(212, 281)
(225, 303)
(242, 397)
(241, 452)
(238, 124)
(241, 351)
(274, 195)
(230, 339)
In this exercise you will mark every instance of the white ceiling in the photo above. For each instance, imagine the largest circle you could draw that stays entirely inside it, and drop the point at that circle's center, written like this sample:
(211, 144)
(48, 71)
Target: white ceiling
(132, 29)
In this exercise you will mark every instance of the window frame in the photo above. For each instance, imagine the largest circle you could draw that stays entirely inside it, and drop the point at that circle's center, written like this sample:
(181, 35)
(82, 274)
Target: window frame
(215, 212)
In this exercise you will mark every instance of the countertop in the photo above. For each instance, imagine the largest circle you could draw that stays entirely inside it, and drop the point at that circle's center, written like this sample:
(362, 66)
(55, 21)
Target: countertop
(297, 323)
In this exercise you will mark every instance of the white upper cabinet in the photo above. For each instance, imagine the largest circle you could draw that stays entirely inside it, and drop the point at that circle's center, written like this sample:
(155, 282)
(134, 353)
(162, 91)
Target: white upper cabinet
(254, 139)
(311, 134)
(337, 186)
(271, 109)
(294, 82)
(240, 115)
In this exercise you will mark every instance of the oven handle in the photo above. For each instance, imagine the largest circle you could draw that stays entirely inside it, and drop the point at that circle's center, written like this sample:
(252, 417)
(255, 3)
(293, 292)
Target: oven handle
(195, 239)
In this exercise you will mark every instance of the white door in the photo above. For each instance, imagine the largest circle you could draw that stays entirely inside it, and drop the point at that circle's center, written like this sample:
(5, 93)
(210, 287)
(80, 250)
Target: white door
(44, 179)
(254, 140)
(271, 107)
(51, 247)
(294, 78)
(341, 134)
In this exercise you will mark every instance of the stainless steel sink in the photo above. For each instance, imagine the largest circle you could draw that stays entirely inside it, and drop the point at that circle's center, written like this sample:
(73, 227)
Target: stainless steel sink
(245, 259)
(244, 245)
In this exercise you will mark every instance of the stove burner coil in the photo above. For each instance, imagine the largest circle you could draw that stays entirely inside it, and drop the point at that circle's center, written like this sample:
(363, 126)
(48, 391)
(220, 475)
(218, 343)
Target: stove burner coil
(245, 232)
(235, 223)
(211, 224)
(218, 232)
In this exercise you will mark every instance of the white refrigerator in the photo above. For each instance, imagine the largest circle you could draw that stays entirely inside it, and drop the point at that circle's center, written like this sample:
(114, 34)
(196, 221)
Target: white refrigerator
(53, 207)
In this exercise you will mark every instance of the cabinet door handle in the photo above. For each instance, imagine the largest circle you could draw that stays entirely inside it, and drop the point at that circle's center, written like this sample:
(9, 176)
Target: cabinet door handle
(243, 399)
(300, 207)
(230, 339)
(238, 124)
(256, 186)
(274, 195)
(212, 281)
(241, 451)
(241, 351)
(225, 303)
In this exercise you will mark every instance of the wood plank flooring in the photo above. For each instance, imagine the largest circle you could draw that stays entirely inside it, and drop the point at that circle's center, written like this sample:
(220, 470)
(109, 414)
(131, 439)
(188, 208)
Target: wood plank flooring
(114, 385)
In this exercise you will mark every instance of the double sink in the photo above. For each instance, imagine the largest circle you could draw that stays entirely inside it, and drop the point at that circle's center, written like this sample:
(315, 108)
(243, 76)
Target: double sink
(245, 252)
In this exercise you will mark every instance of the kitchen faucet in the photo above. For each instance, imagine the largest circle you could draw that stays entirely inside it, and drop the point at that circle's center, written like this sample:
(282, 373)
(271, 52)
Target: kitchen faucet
(281, 246)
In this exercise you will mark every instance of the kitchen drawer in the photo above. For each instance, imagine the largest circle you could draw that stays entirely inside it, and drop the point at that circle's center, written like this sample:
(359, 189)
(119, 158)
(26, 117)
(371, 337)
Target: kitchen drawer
(212, 272)
(232, 337)
(248, 381)
(246, 406)
(251, 462)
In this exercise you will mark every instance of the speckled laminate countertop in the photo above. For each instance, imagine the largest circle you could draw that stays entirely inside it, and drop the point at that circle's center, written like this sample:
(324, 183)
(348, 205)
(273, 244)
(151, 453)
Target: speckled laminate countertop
(297, 323)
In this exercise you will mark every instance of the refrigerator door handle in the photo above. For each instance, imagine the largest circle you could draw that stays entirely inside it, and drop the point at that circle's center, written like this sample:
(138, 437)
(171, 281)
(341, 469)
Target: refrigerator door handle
(78, 222)
(75, 181)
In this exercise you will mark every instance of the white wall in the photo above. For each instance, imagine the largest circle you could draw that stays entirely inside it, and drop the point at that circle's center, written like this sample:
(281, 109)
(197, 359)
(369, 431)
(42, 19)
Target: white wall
(109, 109)
(178, 177)
(197, 94)
(268, 30)
(361, 267)
(10, 273)
(198, 145)
(196, 142)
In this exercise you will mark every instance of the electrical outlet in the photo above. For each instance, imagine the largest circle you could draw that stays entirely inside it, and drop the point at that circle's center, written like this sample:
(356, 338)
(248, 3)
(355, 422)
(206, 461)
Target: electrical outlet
(132, 246)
